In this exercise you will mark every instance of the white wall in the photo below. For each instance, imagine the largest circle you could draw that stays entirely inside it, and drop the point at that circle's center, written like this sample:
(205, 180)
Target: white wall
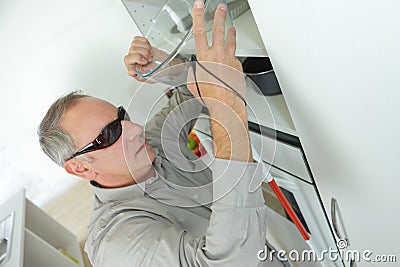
(338, 66)
(48, 48)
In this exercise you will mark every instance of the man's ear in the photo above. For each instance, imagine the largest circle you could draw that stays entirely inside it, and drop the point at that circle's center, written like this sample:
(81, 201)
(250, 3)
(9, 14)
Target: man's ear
(79, 168)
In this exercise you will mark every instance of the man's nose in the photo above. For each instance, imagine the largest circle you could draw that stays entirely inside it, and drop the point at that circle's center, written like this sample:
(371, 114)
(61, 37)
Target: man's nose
(131, 130)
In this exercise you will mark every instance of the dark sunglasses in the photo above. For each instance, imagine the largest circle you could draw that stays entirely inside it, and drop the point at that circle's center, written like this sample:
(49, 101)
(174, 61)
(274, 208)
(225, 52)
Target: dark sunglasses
(107, 137)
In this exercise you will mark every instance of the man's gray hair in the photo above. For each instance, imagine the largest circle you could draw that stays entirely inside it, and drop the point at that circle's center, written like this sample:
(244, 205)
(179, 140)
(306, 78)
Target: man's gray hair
(55, 142)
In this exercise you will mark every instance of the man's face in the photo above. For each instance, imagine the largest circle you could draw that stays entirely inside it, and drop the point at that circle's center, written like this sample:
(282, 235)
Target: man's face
(127, 161)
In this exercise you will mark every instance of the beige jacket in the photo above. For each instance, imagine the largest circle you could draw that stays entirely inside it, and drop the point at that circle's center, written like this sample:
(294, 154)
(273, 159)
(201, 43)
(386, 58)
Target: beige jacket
(190, 214)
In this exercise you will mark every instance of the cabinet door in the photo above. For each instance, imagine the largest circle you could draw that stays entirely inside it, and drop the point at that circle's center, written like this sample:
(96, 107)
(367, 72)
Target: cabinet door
(281, 155)
(282, 233)
(145, 13)
(36, 239)
(45, 240)
(269, 111)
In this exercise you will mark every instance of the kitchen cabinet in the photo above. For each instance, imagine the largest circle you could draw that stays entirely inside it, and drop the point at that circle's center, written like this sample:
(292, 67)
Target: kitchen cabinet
(33, 239)
(337, 64)
(144, 13)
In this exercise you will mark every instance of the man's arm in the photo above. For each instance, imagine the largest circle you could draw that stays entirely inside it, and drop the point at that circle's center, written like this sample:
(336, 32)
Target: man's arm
(178, 117)
(227, 110)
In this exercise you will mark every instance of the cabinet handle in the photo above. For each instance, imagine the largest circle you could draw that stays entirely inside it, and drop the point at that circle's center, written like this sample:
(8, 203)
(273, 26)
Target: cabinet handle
(6, 230)
(335, 215)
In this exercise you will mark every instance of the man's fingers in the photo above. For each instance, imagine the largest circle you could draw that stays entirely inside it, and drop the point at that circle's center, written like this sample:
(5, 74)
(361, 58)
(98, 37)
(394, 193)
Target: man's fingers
(143, 52)
(230, 44)
(199, 28)
(218, 31)
(132, 62)
(139, 41)
(133, 59)
(142, 46)
(139, 79)
(140, 38)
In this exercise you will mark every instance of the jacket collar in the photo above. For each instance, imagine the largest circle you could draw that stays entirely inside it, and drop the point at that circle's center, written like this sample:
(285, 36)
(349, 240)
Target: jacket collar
(127, 192)
(118, 194)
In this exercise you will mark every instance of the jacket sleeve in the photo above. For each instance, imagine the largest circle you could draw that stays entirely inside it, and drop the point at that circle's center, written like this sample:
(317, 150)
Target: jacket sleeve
(235, 234)
(175, 120)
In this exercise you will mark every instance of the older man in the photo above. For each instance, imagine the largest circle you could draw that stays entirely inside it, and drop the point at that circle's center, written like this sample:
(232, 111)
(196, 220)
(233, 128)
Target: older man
(154, 208)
